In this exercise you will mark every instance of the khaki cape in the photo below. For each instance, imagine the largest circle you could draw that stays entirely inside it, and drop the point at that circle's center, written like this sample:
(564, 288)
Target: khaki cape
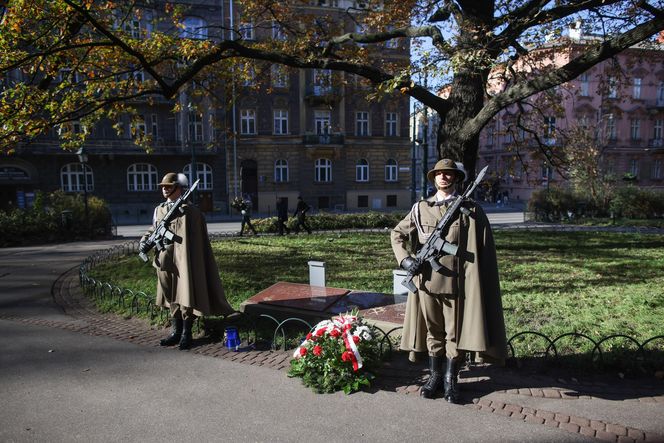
(186, 269)
(472, 277)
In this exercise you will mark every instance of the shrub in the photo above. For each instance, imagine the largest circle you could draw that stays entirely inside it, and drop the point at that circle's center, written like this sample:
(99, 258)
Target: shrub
(328, 221)
(633, 202)
(55, 217)
(555, 203)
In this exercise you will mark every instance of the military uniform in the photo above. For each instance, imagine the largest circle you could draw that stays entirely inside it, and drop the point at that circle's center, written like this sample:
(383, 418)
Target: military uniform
(457, 308)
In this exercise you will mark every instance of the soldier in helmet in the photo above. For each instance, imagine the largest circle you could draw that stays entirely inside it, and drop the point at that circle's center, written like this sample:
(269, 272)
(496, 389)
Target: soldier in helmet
(457, 309)
(188, 279)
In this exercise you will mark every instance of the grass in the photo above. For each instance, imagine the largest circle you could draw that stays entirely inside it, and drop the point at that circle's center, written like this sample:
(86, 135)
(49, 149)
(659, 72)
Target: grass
(592, 283)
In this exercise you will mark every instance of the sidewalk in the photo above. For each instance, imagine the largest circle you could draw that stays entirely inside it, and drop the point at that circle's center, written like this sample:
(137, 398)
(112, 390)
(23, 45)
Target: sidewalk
(70, 373)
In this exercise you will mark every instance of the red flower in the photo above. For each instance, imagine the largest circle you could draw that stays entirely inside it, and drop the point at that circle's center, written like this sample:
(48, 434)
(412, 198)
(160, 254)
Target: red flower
(320, 332)
(309, 336)
(318, 350)
(303, 351)
(335, 333)
(356, 339)
(347, 356)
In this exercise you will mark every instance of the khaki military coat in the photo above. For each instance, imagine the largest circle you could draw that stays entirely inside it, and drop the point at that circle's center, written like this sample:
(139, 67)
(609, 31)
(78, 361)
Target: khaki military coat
(188, 273)
(471, 278)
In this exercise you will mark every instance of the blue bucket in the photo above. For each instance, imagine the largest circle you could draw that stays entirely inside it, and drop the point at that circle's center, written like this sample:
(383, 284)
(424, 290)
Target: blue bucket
(232, 338)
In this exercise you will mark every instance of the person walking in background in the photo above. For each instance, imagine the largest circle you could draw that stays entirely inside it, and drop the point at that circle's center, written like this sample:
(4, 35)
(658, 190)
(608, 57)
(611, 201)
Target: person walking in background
(246, 217)
(282, 216)
(188, 282)
(300, 216)
(457, 309)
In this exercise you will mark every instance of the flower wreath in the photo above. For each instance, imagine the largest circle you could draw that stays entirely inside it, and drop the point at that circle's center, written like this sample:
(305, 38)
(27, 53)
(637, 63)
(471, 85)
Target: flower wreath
(338, 354)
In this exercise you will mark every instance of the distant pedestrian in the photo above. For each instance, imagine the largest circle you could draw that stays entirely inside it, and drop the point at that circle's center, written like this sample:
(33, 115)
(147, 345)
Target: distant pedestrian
(282, 216)
(300, 215)
(246, 217)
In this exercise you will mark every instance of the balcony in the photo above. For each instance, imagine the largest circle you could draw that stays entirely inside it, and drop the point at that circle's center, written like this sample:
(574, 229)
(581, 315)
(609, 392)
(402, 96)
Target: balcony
(318, 94)
(323, 139)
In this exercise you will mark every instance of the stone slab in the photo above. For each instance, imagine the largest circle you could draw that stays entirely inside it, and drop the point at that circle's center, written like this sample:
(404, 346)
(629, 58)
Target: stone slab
(299, 296)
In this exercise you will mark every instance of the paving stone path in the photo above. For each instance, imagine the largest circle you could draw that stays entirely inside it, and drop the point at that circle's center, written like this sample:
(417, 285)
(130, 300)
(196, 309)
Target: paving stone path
(485, 389)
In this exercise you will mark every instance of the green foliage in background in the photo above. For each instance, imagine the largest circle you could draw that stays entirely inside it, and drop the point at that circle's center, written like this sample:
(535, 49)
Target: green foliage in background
(55, 217)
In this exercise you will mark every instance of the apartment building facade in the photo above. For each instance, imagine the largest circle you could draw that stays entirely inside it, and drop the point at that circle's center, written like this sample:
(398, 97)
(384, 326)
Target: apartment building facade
(293, 132)
(619, 101)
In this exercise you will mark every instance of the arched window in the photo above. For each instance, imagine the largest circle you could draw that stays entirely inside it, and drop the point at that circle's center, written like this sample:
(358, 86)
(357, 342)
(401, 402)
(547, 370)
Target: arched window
(73, 176)
(362, 170)
(203, 173)
(281, 171)
(323, 170)
(142, 177)
(194, 27)
(391, 170)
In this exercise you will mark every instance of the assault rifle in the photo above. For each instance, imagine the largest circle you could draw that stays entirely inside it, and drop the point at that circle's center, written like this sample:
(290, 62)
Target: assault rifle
(436, 245)
(161, 232)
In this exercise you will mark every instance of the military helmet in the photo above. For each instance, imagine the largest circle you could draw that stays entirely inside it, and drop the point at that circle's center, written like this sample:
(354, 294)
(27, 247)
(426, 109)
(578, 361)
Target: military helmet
(174, 179)
(447, 164)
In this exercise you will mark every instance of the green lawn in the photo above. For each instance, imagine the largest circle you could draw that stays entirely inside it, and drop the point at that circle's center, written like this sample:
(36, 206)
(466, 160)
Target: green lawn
(598, 284)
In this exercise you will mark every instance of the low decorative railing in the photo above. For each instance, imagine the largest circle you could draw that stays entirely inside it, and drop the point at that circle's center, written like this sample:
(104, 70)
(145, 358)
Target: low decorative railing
(289, 332)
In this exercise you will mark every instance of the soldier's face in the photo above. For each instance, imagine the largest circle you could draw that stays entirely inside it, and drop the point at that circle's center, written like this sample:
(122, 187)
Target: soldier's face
(170, 192)
(445, 179)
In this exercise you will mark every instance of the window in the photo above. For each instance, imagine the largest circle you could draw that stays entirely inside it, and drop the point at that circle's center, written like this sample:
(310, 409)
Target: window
(249, 75)
(194, 28)
(636, 91)
(391, 170)
(635, 129)
(247, 121)
(322, 81)
(634, 167)
(142, 177)
(490, 134)
(72, 127)
(203, 173)
(246, 30)
(279, 76)
(281, 171)
(74, 176)
(611, 127)
(546, 171)
(657, 129)
(362, 123)
(391, 124)
(154, 130)
(133, 28)
(280, 122)
(138, 127)
(195, 127)
(392, 43)
(278, 32)
(323, 170)
(391, 201)
(585, 84)
(656, 171)
(660, 94)
(362, 170)
(549, 127)
(362, 201)
(322, 122)
(613, 87)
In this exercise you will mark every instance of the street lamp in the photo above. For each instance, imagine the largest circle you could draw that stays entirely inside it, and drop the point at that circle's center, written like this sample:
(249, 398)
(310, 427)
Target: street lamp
(83, 160)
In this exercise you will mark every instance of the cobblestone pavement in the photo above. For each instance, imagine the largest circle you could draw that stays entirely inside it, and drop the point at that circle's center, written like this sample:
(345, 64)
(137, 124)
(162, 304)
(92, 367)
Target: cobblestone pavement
(599, 409)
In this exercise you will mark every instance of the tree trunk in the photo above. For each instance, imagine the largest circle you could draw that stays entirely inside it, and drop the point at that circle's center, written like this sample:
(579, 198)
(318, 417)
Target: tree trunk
(467, 99)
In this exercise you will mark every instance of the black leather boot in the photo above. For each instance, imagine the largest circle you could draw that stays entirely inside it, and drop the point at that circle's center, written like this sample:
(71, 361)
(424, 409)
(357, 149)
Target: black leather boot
(185, 340)
(450, 380)
(176, 333)
(435, 382)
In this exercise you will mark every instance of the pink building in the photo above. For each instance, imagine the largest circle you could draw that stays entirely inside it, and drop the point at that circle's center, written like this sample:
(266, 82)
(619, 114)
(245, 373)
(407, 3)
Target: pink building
(618, 103)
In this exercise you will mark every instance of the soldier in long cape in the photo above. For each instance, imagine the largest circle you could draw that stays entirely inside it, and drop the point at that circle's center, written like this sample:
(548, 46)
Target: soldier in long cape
(458, 308)
(188, 278)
